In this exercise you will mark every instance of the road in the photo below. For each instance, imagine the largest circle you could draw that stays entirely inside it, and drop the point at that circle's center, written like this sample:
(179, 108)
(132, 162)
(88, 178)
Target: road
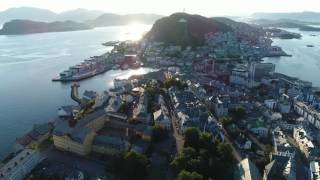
(174, 121)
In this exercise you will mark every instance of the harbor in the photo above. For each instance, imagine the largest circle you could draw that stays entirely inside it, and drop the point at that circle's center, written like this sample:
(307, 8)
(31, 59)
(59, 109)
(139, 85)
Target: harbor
(96, 65)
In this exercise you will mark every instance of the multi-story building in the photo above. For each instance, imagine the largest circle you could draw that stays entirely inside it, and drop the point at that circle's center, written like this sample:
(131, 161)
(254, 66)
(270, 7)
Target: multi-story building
(310, 114)
(281, 145)
(77, 136)
(259, 70)
(20, 165)
(246, 170)
(304, 141)
(280, 167)
(314, 171)
(240, 76)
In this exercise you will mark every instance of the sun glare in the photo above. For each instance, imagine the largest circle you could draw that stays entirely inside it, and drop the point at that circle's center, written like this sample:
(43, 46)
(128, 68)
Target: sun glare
(135, 31)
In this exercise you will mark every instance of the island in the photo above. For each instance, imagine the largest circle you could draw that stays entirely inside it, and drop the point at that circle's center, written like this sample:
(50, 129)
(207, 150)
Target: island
(20, 26)
(282, 34)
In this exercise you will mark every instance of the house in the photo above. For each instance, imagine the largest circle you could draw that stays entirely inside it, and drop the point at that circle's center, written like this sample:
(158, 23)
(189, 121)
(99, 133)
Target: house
(258, 127)
(162, 119)
(141, 110)
(220, 107)
(243, 142)
(284, 105)
(246, 170)
(20, 165)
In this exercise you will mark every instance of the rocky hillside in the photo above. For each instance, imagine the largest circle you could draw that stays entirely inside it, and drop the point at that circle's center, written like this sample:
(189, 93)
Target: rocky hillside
(184, 29)
(26, 27)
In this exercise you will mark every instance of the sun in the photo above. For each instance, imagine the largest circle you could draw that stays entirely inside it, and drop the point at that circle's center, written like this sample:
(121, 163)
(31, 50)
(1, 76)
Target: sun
(135, 30)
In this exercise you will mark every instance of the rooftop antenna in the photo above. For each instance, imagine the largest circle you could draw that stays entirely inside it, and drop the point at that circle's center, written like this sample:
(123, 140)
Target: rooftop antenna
(184, 10)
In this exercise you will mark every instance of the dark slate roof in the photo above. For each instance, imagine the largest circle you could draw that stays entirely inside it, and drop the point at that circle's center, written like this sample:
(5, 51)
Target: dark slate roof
(79, 131)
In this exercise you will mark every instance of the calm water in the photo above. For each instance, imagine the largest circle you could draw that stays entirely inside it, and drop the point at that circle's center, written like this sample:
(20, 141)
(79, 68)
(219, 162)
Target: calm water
(305, 61)
(29, 62)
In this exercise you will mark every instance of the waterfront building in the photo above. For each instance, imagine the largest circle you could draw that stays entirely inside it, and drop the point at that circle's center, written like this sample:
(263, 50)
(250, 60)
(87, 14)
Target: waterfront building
(259, 70)
(20, 165)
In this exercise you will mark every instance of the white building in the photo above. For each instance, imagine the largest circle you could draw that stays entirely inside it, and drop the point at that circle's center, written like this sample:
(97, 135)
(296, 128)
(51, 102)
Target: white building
(162, 119)
(304, 141)
(20, 165)
(281, 145)
(311, 115)
(314, 171)
(121, 83)
(239, 76)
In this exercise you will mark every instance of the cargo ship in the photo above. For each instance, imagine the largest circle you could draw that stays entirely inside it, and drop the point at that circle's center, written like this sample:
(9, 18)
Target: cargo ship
(89, 68)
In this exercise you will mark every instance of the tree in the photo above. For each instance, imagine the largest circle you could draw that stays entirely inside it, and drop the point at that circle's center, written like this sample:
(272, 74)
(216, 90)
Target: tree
(186, 175)
(226, 121)
(182, 159)
(239, 113)
(158, 134)
(124, 108)
(204, 155)
(130, 166)
(175, 82)
(206, 140)
(134, 121)
(192, 136)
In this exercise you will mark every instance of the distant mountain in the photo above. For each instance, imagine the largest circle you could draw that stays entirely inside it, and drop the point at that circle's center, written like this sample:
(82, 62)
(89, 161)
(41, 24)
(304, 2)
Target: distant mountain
(15, 27)
(91, 17)
(109, 19)
(301, 16)
(79, 15)
(285, 23)
(35, 14)
(184, 29)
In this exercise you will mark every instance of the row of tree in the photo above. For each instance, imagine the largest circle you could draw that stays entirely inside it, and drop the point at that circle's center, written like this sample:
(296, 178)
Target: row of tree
(203, 157)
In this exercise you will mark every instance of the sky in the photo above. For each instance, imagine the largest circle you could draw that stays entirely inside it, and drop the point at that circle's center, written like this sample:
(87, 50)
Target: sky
(166, 7)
